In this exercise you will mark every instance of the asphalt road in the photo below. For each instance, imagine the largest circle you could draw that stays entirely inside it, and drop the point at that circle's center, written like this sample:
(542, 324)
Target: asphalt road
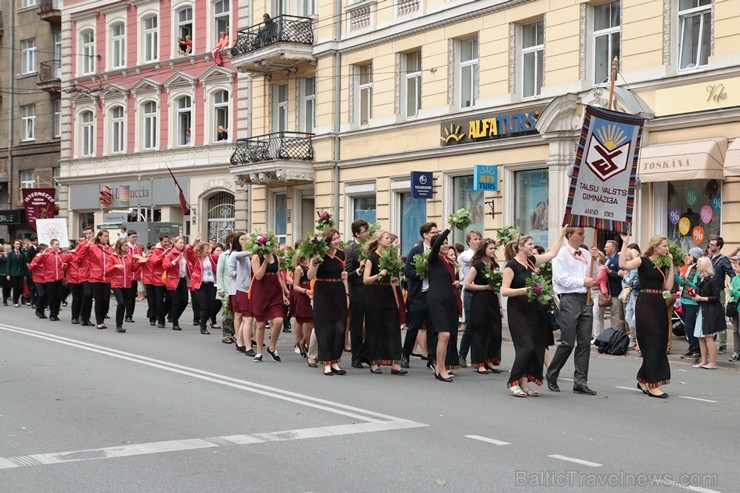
(83, 410)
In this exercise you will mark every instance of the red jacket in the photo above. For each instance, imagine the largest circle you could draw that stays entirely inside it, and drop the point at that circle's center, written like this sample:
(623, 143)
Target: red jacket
(37, 270)
(136, 250)
(195, 267)
(173, 270)
(51, 265)
(74, 268)
(100, 260)
(154, 265)
(124, 277)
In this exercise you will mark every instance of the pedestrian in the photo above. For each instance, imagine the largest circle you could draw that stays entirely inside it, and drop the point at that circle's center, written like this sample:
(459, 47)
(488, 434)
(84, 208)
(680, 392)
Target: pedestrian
(734, 295)
(722, 269)
(473, 240)
(571, 278)
(157, 269)
(240, 272)
(485, 314)
(97, 253)
(202, 267)
(122, 279)
(651, 318)
(136, 250)
(5, 252)
(711, 317)
(176, 281)
(630, 288)
(687, 280)
(17, 271)
(330, 303)
(357, 290)
(268, 296)
(383, 327)
(30, 246)
(301, 307)
(222, 291)
(38, 274)
(528, 324)
(54, 263)
(84, 272)
(615, 276)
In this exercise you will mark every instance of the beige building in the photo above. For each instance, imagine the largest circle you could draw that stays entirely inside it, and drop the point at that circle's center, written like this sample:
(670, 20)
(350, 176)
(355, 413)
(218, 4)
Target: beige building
(347, 98)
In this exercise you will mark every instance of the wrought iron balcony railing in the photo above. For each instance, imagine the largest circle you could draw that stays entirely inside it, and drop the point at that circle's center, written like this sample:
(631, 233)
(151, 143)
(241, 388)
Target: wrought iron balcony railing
(282, 29)
(275, 146)
(50, 71)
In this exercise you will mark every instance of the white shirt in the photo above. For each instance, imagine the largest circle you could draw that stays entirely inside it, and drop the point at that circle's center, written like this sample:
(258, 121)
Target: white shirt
(208, 275)
(569, 270)
(425, 282)
(465, 261)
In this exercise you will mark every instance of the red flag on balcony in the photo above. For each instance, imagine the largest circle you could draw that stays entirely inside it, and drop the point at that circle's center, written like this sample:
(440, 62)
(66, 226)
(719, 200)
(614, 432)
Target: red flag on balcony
(184, 206)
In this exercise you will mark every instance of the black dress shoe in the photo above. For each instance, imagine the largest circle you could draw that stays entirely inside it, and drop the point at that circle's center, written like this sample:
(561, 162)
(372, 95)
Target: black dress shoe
(583, 390)
(152, 323)
(553, 385)
(205, 332)
(130, 320)
(398, 372)
(75, 321)
(54, 318)
(87, 323)
(658, 396)
(644, 391)
(441, 378)
(160, 326)
(312, 365)
(241, 349)
(357, 364)
(338, 371)
(40, 315)
(119, 328)
(405, 362)
(176, 327)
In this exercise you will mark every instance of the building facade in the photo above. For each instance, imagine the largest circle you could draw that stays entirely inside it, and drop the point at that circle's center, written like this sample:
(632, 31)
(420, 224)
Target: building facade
(147, 92)
(348, 97)
(30, 106)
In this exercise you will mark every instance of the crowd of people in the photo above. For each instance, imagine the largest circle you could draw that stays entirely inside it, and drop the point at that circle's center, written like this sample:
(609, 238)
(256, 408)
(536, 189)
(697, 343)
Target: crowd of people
(347, 300)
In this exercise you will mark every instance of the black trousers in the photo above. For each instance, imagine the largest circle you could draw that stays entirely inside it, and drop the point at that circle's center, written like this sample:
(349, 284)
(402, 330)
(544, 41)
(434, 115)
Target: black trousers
(6, 288)
(87, 301)
(76, 290)
(207, 302)
(417, 316)
(54, 296)
(32, 290)
(162, 300)
(151, 302)
(123, 296)
(357, 319)
(16, 283)
(40, 298)
(178, 301)
(131, 304)
(101, 294)
(195, 300)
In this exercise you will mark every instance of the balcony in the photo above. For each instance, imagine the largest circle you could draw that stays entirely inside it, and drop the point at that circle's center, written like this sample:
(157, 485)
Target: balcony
(283, 43)
(281, 157)
(50, 11)
(50, 76)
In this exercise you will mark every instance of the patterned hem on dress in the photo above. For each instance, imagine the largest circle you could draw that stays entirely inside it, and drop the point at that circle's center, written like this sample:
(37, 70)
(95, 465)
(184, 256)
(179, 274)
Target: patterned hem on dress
(652, 385)
(530, 378)
(386, 362)
(492, 361)
(332, 362)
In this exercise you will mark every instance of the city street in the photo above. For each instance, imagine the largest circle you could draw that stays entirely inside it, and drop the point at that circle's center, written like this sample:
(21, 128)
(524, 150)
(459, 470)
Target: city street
(88, 410)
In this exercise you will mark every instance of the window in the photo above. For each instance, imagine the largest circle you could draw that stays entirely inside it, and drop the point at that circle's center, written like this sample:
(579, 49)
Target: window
(220, 112)
(463, 196)
(306, 8)
(116, 129)
(149, 139)
(364, 79)
(221, 215)
(184, 117)
(468, 72)
(28, 122)
(87, 52)
(28, 178)
(411, 86)
(86, 133)
(28, 3)
(57, 37)
(28, 56)
(693, 205)
(695, 31)
(413, 213)
(533, 50)
(55, 174)
(221, 17)
(56, 120)
(185, 30)
(531, 203)
(280, 216)
(607, 34)
(280, 123)
(365, 208)
(118, 45)
(151, 39)
(308, 122)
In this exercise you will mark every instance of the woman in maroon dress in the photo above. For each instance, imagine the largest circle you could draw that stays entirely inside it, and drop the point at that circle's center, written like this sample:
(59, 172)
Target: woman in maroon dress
(268, 297)
(301, 306)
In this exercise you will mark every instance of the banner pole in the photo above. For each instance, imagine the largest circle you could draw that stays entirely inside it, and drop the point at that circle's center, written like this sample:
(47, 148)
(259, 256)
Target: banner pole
(615, 63)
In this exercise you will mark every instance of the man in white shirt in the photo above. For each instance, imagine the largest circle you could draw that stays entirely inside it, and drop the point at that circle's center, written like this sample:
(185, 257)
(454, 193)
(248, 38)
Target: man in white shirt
(571, 278)
(473, 239)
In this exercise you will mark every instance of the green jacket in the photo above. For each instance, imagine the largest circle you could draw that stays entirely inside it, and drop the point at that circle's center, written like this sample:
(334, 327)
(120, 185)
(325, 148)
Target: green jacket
(3, 265)
(17, 263)
(735, 289)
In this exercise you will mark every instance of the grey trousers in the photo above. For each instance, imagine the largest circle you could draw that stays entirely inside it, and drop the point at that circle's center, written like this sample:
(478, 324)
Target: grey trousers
(575, 332)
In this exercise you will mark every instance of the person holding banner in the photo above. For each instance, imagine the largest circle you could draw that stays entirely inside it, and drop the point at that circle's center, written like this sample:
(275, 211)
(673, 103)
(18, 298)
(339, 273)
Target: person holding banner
(651, 318)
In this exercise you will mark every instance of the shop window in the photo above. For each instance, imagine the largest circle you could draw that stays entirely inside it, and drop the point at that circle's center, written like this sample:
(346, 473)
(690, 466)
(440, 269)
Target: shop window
(695, 33)
(607, 32)
(694, 212)
(533, 58)
(464, 197)
(413, 213)
(531, 200)
(221, 215)
(280, 216)
(87, 220)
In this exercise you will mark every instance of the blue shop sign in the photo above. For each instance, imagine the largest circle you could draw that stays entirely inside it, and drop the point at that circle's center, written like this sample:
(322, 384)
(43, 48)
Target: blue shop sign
(485, 178)
(422, 184)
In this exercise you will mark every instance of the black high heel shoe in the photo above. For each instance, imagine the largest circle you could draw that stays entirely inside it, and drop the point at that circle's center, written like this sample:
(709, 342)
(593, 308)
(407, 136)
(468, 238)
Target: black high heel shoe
(441, 378)
(643, 390)
(398, 372)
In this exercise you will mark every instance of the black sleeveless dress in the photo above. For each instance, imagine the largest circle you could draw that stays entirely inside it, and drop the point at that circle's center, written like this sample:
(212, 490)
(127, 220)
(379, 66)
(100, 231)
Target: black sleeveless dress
(330, 308)
(651, 325)
(485, 323)
(382, 324)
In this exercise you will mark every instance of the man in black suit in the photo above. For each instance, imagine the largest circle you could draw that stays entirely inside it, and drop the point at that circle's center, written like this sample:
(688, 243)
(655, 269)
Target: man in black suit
(357, 290)
(416, 303)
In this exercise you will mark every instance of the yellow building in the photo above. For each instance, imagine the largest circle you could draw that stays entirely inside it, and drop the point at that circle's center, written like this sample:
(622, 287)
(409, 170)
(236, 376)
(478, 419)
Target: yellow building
(347, 98)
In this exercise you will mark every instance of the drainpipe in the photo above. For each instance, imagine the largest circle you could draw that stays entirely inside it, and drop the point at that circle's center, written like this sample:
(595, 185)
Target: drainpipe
(248, 188)
(337, 106)
(11, 119)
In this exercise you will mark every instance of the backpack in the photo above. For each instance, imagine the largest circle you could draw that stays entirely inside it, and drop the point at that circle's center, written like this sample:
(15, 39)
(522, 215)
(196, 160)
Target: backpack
(613, 342)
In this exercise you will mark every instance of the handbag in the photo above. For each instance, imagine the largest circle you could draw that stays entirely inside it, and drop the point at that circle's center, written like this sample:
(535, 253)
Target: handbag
(553, 316)
(731, 310)
(605, 299)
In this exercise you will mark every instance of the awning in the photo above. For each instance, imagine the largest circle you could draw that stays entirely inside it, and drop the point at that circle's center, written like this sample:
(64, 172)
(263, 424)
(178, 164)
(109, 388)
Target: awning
(732, 161)
(687, 160)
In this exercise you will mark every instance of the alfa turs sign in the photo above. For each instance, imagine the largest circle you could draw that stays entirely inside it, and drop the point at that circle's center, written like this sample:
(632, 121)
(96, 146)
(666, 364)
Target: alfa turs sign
(489, 127)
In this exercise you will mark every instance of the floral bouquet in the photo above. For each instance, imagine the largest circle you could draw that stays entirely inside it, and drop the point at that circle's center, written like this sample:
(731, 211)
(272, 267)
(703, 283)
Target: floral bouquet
(324, 221)
(539, 289)
(494, 277)
(678, 257)
(506, 234)
(361, 253)
(420, 261)
(314, 245)
(460, 219)
(546, 271)
(391, 261)
(227, 312)
(261, 244)
(287, 259)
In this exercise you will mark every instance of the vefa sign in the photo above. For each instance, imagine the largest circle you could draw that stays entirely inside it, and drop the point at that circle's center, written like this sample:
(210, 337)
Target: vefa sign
(422, 184)
(485, 178)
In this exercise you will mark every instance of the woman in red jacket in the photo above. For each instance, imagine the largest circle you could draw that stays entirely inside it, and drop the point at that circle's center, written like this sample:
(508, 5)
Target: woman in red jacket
(202, 266)
(97, 254)
(74, 281)
(147, 281)
(39, 279)
(154, 264)
(176, 268)
(53, 262)
(122, 278)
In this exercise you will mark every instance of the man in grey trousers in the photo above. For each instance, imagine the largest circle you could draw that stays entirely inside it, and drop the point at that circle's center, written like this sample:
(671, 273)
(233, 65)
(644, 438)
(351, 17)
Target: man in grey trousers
(571, 278)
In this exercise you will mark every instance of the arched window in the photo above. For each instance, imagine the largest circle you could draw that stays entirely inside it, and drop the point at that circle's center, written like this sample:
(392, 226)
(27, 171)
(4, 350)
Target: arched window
(221, 214)
(87, 127)
(87, 52)
(184, 118)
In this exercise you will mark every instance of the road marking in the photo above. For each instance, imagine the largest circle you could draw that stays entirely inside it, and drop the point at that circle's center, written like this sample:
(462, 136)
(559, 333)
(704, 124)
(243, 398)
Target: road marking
(687, 487)
(695, 399)
(200, 443)
(628, 388)
(487, 440)
(300, 399)
(575, 461)
(567, 379)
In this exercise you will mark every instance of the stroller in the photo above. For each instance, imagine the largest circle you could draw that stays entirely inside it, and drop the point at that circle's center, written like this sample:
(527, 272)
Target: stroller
(677, 325)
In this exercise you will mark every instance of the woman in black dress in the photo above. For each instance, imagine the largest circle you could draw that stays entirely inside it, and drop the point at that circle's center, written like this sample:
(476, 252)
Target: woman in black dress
(528, 325)
(383, 328)
(711, 312)
(330, 303)
(485, 311)
(301, 304)
(651, 318)
(443, 307)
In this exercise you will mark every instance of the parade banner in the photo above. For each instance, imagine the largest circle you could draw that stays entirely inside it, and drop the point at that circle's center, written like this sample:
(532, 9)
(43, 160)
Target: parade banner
(602, 188)
(39, 204)
(52, 229)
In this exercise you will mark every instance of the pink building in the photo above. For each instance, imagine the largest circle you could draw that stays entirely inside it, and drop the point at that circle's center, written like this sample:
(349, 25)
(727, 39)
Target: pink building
(143, 89)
